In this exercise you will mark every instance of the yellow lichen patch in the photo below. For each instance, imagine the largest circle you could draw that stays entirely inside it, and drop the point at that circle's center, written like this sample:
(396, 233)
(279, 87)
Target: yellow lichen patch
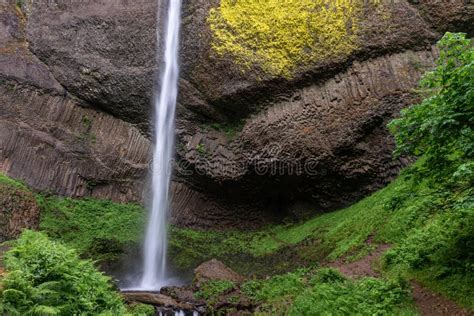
(278, 35)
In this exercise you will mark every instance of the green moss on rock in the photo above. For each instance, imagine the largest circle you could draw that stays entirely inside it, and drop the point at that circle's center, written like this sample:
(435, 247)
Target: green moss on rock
(18, 208)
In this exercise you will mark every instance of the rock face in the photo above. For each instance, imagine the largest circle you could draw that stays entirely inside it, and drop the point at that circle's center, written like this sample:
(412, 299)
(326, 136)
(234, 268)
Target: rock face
(325, 144)
(56, 145)
(51, 140)
(98, 51)
(77, 81)
(18, 211)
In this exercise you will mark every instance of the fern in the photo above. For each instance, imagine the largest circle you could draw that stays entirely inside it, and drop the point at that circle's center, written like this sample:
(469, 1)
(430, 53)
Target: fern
(42, 310)
(47, 278)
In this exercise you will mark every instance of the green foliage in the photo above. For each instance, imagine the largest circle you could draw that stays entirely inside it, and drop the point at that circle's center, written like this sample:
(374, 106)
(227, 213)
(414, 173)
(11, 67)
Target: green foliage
(201, 149)
(19, 3)
(441, 127)
(210, 290)
(327, 275)
(12, 182)
(141, 310)
(318, 292)
(287, 285)
(188, 248)
(365, 297)
(229, 129)
(437, 217)
(443, 249)
(48, 278)
(100, 229)
(280, 35)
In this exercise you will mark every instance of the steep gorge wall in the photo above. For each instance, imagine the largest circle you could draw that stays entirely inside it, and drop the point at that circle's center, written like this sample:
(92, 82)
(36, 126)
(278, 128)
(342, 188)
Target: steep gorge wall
(77, 79)
(55, 145)
(50, 140)
(326, 144)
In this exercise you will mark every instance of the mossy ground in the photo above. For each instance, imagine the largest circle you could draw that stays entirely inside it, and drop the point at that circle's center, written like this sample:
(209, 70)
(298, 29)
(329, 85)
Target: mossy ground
(99, 229)
(319, 291)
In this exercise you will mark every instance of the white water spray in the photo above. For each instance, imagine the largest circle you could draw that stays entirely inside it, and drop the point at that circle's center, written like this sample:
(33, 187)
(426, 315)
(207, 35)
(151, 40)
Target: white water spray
(155, 273)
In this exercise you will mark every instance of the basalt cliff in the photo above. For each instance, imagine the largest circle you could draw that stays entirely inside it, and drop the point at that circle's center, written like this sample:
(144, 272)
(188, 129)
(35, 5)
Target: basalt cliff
(260, 135)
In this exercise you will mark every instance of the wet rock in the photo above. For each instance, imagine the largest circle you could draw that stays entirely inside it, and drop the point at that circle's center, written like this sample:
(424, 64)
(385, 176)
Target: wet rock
(17, 63)
(99, 51)
(156, 299)
(181, 294)
(215, 270)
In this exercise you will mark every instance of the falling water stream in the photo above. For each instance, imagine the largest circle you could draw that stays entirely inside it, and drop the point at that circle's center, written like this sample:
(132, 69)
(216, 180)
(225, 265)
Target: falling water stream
(155, 246)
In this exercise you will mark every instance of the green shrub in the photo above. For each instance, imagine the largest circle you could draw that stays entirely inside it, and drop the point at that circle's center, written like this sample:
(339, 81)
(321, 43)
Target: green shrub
(442, 251)
(48, 278)
(441, 128)
(327, 275)
(438, 244)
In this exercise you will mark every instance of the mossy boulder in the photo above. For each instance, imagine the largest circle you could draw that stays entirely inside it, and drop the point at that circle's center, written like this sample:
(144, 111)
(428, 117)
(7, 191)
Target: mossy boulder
(18, 210)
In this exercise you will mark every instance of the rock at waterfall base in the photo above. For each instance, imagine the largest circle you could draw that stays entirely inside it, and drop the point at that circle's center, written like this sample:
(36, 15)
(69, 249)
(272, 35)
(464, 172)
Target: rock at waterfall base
(215, 270)
(155, 299)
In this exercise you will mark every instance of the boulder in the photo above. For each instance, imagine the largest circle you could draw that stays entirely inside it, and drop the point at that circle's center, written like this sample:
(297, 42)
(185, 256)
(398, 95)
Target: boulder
(156, 299)
(215, 270)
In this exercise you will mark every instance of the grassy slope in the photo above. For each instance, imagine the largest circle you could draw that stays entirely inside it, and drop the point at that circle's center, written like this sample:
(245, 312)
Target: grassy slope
(11, 182)
(428, 225)
(96, 228)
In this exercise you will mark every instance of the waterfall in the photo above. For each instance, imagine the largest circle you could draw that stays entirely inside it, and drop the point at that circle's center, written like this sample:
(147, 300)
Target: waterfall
(155, 246)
